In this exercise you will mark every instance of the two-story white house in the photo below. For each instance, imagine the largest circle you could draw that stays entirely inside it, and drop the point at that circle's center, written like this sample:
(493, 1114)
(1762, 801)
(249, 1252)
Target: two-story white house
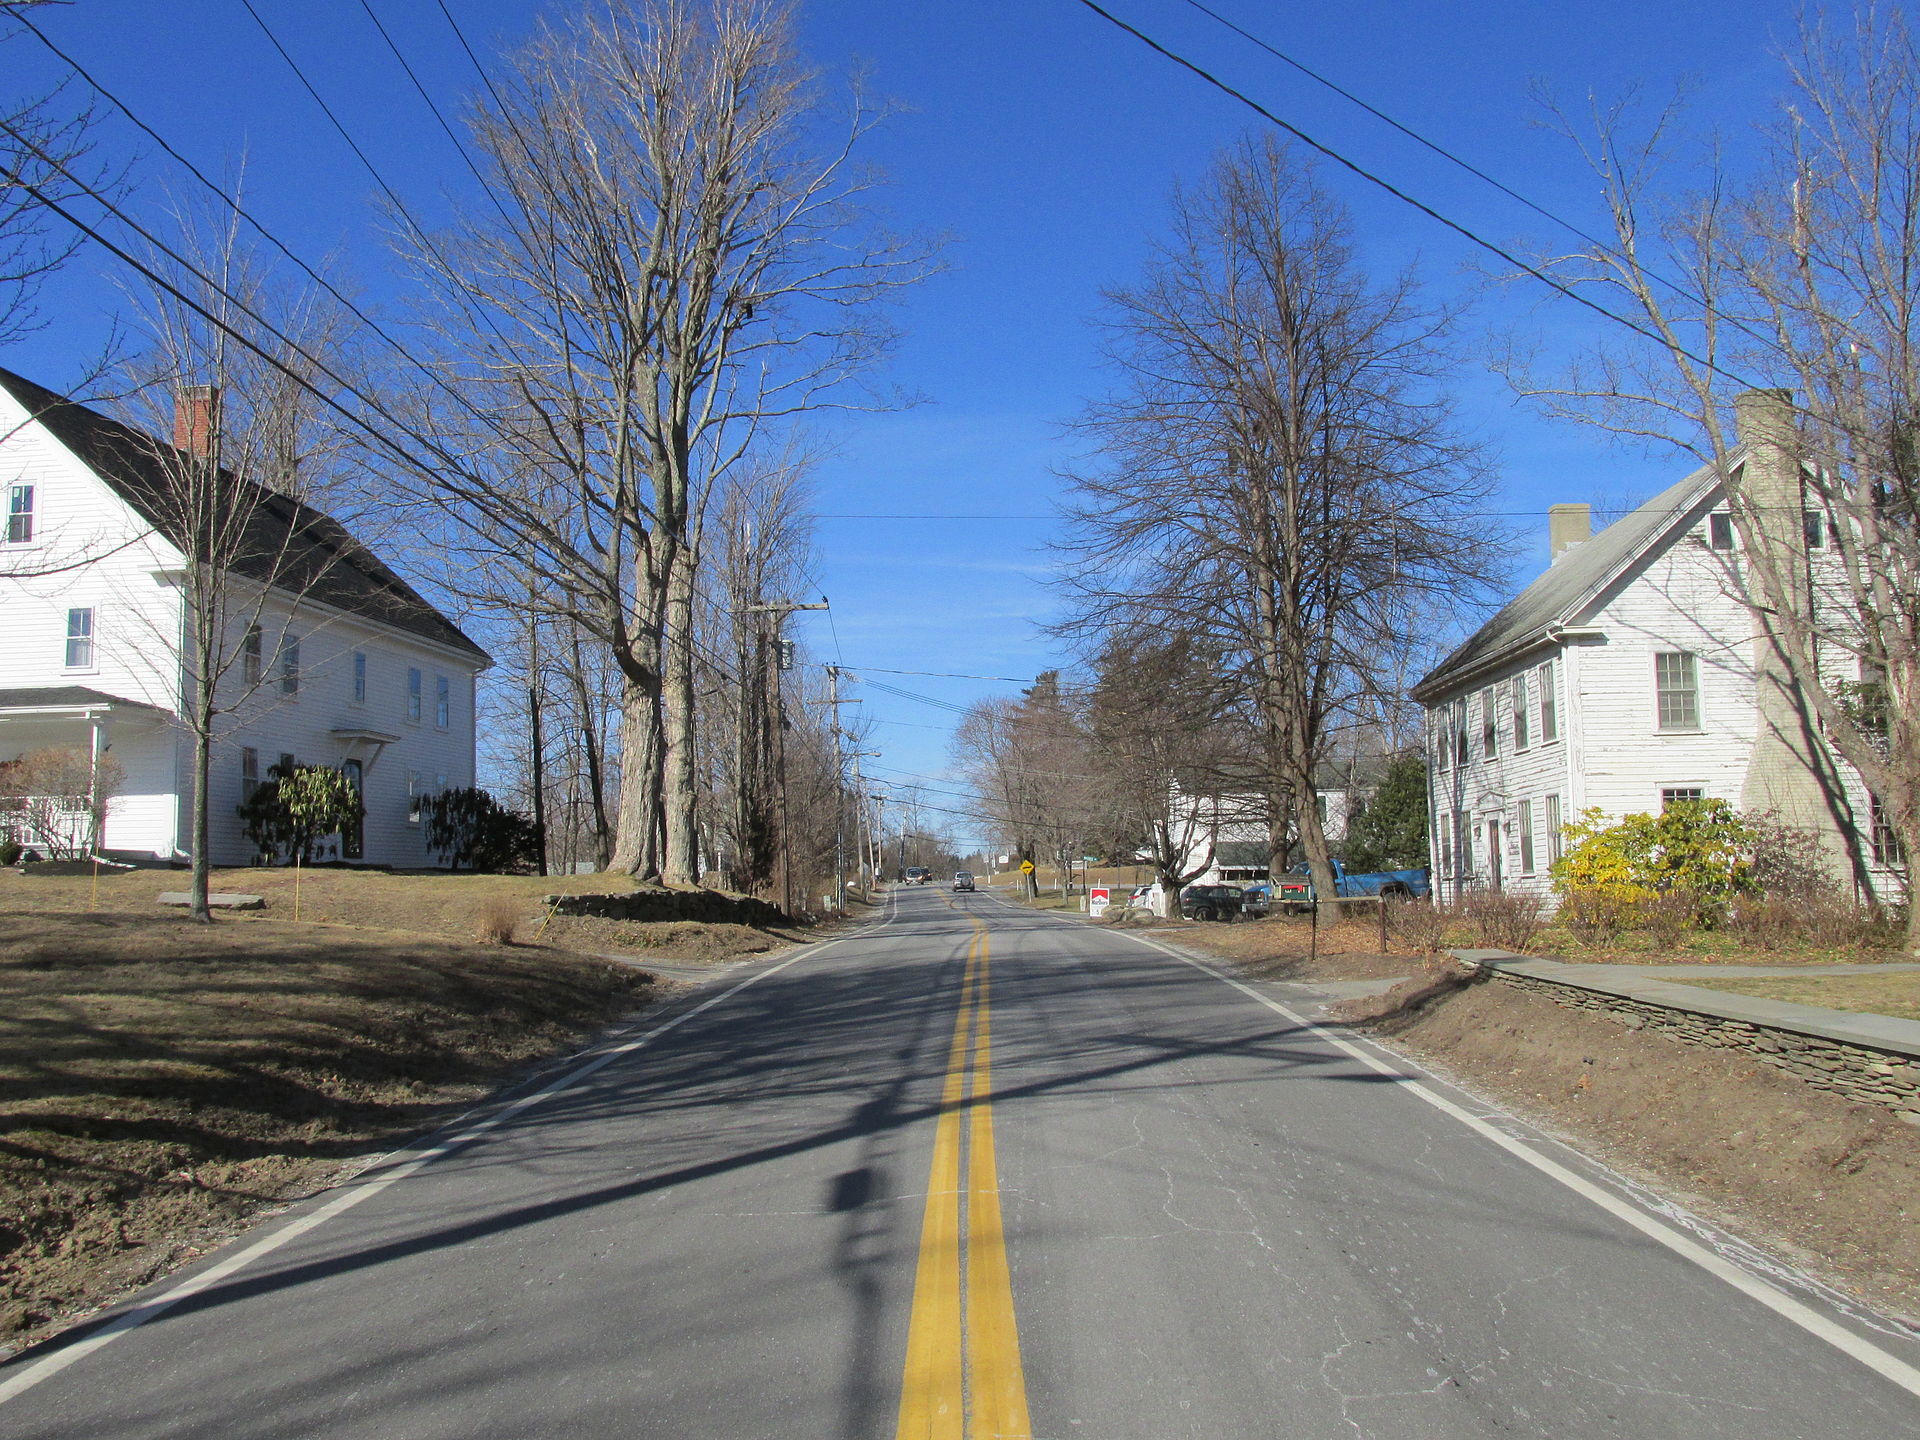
(1632, 675)
(342, 663)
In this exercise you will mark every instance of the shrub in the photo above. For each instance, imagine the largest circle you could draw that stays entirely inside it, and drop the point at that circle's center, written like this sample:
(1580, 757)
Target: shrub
(56, 798)
(496, 920)
(1421, 923)
(476, 832)
(1698, 849)
(1504, 919)
(11, 851)
(297, 807)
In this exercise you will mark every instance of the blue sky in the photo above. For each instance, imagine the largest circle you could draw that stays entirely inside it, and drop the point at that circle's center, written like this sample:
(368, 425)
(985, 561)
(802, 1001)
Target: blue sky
(1044, 143)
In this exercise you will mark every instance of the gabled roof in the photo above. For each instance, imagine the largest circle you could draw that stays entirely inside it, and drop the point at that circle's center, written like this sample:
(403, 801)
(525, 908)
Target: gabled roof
(292, 546)
(1570, 584)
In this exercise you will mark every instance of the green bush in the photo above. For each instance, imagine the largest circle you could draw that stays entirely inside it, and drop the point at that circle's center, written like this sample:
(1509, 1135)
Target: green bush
(476, 832)
(297, 806)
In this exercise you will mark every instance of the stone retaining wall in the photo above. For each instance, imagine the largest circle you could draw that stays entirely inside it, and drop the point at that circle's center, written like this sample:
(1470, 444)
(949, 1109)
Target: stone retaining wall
(1874, 1077)
(709, 906)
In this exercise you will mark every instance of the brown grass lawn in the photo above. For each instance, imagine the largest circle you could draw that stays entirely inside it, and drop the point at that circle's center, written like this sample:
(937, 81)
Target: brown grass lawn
(1897, 994)
(160, 1080)
(431, 903)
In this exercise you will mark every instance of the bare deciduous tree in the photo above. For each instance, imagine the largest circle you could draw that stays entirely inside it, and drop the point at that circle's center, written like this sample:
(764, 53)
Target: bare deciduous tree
(673, 265)
(1279, 473)
(1781, 311)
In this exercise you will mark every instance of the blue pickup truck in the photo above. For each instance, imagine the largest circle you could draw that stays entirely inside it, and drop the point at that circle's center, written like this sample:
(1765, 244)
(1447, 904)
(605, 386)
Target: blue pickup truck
(1295, 889)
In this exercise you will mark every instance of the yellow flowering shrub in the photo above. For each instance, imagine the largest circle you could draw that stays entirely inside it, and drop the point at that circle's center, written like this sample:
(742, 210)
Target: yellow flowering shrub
(1696, 855)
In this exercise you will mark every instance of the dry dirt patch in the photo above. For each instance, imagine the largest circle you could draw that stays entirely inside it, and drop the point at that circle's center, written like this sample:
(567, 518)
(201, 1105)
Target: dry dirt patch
(1285, 948)
(682, 941)
(163, 1079)
(1834, 1183)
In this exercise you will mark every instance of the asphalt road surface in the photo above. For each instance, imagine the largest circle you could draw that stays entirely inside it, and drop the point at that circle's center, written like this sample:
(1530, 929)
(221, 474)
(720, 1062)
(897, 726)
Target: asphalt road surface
(972, 1172)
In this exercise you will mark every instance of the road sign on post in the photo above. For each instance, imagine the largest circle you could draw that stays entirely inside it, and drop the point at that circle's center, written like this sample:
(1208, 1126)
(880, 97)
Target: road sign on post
(1026, 867)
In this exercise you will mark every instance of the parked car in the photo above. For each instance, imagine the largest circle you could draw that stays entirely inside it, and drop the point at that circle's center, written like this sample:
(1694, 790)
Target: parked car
(963, 880)
(1296, 886)
(1210, 902)
(1257, 899)
(1141, 898)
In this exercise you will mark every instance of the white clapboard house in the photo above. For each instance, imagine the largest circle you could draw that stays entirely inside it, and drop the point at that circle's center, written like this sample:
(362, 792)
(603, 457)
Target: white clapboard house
(1232, 827)
(1631, 675)
(357, 671)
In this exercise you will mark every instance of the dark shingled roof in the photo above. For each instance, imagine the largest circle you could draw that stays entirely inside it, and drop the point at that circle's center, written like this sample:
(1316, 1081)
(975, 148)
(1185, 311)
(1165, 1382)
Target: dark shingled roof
(63, 695)
(293, 547)
(1569, 585)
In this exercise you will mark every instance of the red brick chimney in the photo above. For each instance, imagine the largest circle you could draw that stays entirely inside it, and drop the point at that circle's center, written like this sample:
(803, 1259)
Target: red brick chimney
(196, 419)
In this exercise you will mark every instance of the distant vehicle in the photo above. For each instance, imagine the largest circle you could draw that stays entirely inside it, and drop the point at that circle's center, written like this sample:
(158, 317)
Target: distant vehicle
(1141, 898)
(1257, 899)
(918, 875)
(963, 880)
(1211, 902)
(1296, 886)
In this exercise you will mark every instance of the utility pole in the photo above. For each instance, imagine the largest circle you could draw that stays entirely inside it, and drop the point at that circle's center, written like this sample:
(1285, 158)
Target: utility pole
(834, 702)
(777, 718)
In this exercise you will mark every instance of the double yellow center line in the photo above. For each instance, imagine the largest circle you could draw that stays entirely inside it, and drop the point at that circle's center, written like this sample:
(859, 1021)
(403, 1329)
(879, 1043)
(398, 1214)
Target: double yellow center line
(963, 1379)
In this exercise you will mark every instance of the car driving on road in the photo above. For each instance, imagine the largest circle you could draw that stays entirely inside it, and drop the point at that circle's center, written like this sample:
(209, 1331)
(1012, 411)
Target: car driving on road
(963, 880)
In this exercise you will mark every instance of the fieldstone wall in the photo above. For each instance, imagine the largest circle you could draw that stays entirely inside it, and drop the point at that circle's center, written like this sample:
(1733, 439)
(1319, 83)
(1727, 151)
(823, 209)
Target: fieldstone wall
(710, 906)
(1873, 1077)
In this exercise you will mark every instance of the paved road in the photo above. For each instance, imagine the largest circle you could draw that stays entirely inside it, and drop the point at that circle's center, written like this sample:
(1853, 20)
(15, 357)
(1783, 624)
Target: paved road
(978, 1172)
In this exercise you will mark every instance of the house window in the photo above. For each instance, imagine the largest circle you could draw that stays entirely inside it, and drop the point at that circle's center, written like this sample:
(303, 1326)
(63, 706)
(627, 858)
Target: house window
(1444, 835)
(1549, 706)
(1676, 686)
(1442, 752)
(359, 677)
(1813, 525)
(249, 773)
(413, 797)
(1523, 823)
(80, 639)
(289, 666)
(413, 696)
(1888, 849)
(287, 764)
(1462, 844)
(19, 514)
(1671, 796)
(1720, 530)
(442, 702)
(1489, 725)
(1522, 727)
(250, 656)
(1460, 730)
(1555, 824)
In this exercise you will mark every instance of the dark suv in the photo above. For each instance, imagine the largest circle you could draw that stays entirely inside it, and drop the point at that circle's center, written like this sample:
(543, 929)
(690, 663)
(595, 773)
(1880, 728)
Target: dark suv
(1211, 902)
(963, 880)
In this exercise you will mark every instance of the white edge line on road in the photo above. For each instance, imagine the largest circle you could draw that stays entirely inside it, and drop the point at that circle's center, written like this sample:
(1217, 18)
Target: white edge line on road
(132, 1319)
(1782, 1304)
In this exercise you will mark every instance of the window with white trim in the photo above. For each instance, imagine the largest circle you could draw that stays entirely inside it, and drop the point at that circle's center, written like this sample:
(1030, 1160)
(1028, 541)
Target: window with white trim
(19, 514)
(249, 773)
(1522, 713)
(1523, 825)
(250, 653)
(1676, 688)
(1720, 530)
(80, 638)
(413, 695)
(442, 701)
(1672, 795)
(359, 677)
(1556, 827)
(1549, 705)
(289, 666)
(1489, 724)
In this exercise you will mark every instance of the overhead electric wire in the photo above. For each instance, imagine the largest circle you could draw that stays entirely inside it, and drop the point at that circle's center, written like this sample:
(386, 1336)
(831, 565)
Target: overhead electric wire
(1491, 247)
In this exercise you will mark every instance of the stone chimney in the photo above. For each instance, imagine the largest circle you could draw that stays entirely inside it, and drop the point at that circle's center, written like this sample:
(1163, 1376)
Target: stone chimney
(1567, 526)
(196, 419)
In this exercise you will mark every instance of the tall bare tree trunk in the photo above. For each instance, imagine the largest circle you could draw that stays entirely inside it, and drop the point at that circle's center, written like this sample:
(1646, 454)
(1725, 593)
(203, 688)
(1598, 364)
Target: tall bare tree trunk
(679, 789)
(636, 850)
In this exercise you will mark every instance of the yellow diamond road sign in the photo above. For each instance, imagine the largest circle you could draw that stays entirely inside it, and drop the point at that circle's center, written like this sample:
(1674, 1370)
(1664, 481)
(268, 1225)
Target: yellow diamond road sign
(1026, 867)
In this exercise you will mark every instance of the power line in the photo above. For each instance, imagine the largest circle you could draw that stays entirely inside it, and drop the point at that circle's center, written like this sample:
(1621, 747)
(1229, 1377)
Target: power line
(1404, 198)
(944, 675)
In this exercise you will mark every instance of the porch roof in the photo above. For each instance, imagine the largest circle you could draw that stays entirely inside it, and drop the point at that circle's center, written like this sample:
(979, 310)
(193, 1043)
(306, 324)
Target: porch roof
(62, 702)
